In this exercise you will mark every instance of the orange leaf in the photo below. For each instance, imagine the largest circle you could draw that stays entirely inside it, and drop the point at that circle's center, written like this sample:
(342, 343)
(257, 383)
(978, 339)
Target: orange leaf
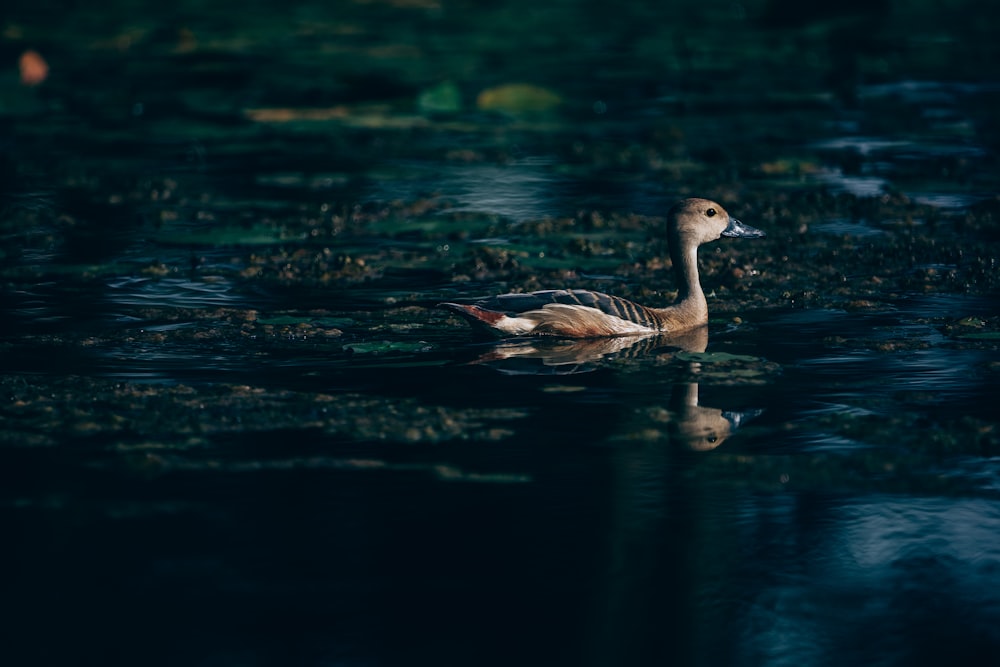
(33, 67)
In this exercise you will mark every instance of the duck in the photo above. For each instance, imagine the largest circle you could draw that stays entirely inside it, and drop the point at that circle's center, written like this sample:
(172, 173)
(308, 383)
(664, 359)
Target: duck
(578, 313)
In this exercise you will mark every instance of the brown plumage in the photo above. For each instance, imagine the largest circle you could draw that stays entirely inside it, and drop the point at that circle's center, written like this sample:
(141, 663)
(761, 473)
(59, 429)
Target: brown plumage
(587, 314)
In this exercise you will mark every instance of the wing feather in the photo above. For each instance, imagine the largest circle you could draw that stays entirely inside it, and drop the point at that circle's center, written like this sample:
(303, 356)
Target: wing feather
(516, 304)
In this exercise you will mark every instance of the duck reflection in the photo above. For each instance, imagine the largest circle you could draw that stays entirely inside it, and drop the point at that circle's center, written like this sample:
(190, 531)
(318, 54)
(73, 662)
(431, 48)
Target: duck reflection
(699, 428)
(567, 356)
(696, 427)
(660, 520)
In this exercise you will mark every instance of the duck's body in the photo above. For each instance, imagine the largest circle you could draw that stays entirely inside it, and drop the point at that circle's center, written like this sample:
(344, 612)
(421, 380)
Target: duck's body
(574, 313)
(586, 314)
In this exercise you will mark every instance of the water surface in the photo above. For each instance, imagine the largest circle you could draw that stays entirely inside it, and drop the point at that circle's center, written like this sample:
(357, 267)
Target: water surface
(235, 430)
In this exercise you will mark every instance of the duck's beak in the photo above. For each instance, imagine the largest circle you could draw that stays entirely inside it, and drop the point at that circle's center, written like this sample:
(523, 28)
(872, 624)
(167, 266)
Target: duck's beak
(737, 419)
(739, 230)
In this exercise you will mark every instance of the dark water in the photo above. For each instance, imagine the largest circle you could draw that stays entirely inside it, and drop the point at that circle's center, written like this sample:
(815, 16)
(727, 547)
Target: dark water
(234, 431)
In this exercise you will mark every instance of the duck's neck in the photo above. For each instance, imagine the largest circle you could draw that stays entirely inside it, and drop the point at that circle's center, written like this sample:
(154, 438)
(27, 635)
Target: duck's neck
(690, 303)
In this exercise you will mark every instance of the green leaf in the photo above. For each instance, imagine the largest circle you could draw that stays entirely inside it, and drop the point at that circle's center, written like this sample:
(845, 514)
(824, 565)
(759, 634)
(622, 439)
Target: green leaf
(442, 98)
(518, 98)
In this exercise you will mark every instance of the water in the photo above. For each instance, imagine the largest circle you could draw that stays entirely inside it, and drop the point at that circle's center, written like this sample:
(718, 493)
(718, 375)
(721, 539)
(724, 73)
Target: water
(235, 430)
(463, 512)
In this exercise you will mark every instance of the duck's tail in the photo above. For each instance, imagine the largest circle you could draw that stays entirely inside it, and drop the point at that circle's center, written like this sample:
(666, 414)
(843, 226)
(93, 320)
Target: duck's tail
(479, 318)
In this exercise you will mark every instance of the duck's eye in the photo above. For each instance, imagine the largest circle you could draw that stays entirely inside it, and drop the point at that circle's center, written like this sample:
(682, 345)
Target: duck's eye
(710, 212)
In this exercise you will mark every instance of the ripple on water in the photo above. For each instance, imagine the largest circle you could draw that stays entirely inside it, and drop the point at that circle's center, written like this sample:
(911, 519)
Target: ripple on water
(940, 370)
(518, 190)
(859, 186)
(874, 575)
(174, 292)
(884, 361)
(530, 188)
(949, 200)
(889, 531)
(859, 145)
(846, 227)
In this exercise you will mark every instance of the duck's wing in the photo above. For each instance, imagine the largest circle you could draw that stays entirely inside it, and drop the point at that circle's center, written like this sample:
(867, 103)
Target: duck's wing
(575, 313)
(515, 304)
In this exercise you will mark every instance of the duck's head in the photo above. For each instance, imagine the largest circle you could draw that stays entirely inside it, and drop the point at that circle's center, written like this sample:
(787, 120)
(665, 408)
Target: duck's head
(695, 221)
